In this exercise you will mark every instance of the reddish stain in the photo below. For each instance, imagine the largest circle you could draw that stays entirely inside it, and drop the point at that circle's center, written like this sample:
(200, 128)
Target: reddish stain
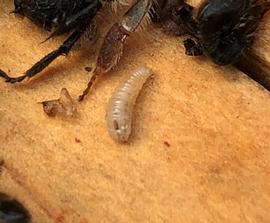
(60, 218)
(167, 144)
(77, 140)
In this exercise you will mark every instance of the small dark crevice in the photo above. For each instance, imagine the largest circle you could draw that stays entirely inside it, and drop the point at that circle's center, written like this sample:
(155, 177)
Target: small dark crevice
(252, 66)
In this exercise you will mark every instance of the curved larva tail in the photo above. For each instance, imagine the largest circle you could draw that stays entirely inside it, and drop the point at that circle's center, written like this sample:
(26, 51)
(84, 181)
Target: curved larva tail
(121, 104)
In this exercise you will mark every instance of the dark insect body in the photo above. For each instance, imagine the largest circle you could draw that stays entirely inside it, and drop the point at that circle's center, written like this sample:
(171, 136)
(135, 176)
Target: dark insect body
(11, 211)
(61, 16)
(64, 16)
(223, 29)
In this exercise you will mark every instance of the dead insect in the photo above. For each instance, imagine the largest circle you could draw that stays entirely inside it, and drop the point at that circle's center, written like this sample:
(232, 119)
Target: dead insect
(121, 104)
(63, 16)
(223, 29)
(11, 211)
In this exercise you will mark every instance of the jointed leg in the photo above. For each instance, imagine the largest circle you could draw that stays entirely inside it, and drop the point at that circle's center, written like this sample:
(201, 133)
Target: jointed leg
(45, 61)
(112, 47)
(88, 13)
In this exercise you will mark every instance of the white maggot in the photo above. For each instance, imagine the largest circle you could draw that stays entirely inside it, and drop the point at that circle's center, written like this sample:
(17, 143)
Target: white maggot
(121, 104)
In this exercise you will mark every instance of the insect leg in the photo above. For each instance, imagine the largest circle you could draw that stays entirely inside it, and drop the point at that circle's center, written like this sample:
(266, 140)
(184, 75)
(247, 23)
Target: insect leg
(62, 50)
(112, 47)
(45, 61)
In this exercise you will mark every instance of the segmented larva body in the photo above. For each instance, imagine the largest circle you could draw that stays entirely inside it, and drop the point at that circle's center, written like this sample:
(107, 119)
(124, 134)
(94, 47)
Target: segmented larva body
(121, 104)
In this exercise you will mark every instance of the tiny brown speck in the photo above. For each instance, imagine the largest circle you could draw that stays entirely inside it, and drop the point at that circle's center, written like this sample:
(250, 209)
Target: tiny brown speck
(77, 140)
(167, 144)
(88, 69)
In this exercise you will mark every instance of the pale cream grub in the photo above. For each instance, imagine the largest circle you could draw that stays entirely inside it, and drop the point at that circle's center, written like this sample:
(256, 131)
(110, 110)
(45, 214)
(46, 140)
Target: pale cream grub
(121, 104)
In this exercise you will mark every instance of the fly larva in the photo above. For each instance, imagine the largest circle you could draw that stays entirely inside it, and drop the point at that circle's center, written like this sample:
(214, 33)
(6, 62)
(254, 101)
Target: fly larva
(121, 104)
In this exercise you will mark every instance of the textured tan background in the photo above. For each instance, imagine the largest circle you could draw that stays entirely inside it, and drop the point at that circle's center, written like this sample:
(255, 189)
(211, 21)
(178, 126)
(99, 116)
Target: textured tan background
(215, 119)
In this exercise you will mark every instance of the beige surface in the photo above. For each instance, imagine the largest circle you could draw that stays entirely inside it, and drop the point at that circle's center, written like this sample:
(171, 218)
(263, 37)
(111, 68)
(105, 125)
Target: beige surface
(215, 120)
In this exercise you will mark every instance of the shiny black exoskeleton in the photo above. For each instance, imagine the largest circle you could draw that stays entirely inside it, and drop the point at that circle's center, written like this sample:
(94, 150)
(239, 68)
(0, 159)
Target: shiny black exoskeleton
(58, 16)
(223, 29)
(11, 211)
(62, 15)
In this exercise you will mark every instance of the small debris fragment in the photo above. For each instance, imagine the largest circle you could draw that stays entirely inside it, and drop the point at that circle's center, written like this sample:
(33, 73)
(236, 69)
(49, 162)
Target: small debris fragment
(63, 106)
(167, 144)
(77, 140)
(88, 69)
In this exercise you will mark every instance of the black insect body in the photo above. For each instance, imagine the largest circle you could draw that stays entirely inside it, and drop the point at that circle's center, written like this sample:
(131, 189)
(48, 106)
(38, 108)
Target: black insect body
(223, 29)
(62, 16)
(11, 211)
